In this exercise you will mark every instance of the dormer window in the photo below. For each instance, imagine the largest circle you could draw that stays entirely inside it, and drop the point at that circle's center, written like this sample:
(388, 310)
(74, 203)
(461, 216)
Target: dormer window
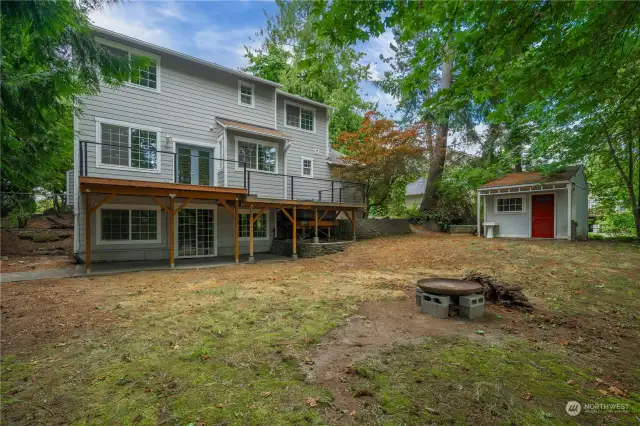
(246, 96)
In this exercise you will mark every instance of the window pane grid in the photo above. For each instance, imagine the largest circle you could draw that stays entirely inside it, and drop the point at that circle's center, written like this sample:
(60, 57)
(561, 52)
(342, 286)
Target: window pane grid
(257, 156)
(259, 227)
(246, 95)
(306, 167)
(293, 116)
(143, 149)
(144, 224)
(307, 120)
(144, 76)
(115, 225)
(510, 204)
(115, 145)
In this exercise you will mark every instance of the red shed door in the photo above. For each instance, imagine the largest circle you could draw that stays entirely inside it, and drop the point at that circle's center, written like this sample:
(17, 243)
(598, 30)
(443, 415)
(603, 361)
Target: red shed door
(542, 216)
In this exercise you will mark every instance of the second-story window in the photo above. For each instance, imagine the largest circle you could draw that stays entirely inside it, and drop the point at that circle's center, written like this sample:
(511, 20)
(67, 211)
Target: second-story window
(300, 117)
(127, 146)
(307, 167)
(257, 156)
(246, 94)
(144, 68)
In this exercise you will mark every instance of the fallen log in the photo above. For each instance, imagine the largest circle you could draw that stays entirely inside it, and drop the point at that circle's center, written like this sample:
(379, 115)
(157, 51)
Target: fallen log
(508, 296)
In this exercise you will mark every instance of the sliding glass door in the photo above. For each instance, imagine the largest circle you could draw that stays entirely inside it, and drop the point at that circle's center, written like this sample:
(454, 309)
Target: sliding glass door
(196, 232)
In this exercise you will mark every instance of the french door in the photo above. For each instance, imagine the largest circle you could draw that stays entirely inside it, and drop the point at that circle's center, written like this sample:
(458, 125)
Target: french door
(196, 233)
(195, 165)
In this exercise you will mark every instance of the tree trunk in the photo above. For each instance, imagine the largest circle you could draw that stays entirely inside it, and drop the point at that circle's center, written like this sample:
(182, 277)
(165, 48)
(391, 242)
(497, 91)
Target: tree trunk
(437, 160)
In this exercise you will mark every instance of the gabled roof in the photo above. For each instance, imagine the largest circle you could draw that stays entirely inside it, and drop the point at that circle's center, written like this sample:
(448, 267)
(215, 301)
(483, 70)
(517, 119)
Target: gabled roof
(335, 158)
(418, 187)
(528, 178)
(250, 128)
(245, 75)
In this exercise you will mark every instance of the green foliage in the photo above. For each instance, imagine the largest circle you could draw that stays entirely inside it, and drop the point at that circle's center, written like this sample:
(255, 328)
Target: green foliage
(49, 57)
(617, 223)
(306, 64)
(559, 82)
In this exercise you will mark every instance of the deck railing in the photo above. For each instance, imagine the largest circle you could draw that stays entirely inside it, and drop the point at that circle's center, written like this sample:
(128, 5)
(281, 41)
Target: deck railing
(168, 166)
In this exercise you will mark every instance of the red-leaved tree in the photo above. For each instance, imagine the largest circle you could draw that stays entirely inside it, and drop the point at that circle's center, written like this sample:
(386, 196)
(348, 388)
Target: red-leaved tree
(379, 153)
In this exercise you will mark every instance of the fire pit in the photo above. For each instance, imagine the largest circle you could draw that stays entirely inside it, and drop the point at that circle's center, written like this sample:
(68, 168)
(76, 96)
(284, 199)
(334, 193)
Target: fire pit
(441, 297)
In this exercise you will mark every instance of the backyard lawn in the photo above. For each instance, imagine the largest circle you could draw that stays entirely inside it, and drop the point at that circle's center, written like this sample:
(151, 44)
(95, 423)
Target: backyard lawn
(334, 340)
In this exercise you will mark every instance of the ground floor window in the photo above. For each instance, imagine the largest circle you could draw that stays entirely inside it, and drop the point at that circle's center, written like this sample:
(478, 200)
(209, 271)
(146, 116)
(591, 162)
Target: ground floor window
(259, 227)
(123, 224)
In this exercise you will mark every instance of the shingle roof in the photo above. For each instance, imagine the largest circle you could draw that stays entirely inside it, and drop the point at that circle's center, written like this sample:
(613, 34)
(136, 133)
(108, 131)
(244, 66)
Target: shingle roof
(525, 178)
(335, 158)
(251, 128)
(417, 187)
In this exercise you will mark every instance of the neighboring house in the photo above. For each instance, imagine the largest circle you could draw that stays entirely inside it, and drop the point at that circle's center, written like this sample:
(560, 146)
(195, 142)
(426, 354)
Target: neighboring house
(415, 190)
(415, 193)
(179, 161)
(533, 205)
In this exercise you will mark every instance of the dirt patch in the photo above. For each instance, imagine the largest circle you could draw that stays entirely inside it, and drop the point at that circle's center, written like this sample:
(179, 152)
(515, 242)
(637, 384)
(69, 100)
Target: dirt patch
(378, 326)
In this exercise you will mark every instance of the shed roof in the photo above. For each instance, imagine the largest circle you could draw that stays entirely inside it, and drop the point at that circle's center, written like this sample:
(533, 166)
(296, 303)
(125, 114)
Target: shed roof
(527, 178)
(251, 128)
(417, 187)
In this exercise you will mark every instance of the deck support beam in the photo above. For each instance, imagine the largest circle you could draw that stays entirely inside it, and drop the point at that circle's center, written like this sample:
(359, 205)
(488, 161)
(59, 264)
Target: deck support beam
(315, 237)
(87, 231)
(251, 258)
(295, 229)
(237, 231)
(172, 231)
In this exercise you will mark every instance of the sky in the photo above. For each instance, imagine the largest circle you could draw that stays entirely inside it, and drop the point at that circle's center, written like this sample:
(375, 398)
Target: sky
(217, 31)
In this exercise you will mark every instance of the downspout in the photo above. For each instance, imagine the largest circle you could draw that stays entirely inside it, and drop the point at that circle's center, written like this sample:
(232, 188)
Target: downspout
(226, 163)
(287, 144)
(76, 180)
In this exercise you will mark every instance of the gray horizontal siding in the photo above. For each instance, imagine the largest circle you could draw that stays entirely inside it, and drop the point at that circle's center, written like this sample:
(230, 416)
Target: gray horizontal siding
(70, 188)
(154, 251)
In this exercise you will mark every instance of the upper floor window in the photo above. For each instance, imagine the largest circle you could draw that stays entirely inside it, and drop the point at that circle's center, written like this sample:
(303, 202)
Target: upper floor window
(257, 155)
(509, 205)
(246, 94)
(300, 117)
(307, 167)
(144, 67)
(124, 145)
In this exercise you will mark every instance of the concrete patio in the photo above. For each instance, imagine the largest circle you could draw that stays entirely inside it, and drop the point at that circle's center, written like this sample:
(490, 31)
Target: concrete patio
(107, 268)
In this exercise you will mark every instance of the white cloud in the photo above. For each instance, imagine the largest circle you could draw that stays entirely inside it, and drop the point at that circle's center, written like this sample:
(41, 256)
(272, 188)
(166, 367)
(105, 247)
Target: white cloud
(226, 46)
(373, 49)
(138, 20)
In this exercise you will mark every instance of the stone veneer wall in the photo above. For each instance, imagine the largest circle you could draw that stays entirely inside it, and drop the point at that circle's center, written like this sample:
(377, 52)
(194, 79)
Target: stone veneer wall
(372, 228)
(307, 248)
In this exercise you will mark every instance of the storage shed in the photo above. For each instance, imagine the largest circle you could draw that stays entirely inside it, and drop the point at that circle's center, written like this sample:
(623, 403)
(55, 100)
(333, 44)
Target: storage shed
(536, 205)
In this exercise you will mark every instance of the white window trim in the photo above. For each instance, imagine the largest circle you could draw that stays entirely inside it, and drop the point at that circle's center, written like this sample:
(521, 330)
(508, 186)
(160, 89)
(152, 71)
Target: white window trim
(213, 207)
(495, 204)
(99, 165)
(100, 241)
(215, 146)
(255, 141)
(302, 166)
(301, 106)
(137, 52)
(248, 211)
(253, 93)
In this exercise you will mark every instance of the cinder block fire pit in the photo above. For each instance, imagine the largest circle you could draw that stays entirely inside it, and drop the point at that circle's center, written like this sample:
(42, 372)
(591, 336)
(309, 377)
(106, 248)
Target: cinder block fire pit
(444, 297)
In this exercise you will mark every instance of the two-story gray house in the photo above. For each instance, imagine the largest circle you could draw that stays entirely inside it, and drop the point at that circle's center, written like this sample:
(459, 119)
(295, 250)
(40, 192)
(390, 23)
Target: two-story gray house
(193, 159)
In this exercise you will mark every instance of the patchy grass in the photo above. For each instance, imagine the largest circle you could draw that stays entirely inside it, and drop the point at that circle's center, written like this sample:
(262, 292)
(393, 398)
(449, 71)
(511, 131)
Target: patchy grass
(226, 345)
(457, 381)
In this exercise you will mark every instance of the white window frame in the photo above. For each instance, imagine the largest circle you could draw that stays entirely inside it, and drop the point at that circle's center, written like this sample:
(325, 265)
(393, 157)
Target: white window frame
(258, 142)
(495, 204)
(301, 106)
(302, 166)
(130, 207)
(100, 165)
(137, 52)
(253, 93)
(248, 212)
(213, 207)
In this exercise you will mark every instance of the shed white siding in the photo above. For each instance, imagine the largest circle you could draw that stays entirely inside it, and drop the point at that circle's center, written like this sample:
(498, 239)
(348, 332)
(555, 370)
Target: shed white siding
(580, 201)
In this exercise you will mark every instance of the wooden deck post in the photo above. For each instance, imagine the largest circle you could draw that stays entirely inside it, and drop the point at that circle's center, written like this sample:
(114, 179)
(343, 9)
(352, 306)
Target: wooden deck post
(237, 231)
(295, 226)
(172, 231)
(87, 231)
(315, 237)
(353, 224)
(251, 258)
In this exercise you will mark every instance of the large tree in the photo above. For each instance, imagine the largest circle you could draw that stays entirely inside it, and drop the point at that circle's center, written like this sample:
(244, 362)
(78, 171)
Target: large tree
(48, 58)
(306, 64)
(565, 75)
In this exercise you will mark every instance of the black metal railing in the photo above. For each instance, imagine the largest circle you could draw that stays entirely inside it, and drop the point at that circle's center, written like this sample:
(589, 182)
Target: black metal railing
(211, 171)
